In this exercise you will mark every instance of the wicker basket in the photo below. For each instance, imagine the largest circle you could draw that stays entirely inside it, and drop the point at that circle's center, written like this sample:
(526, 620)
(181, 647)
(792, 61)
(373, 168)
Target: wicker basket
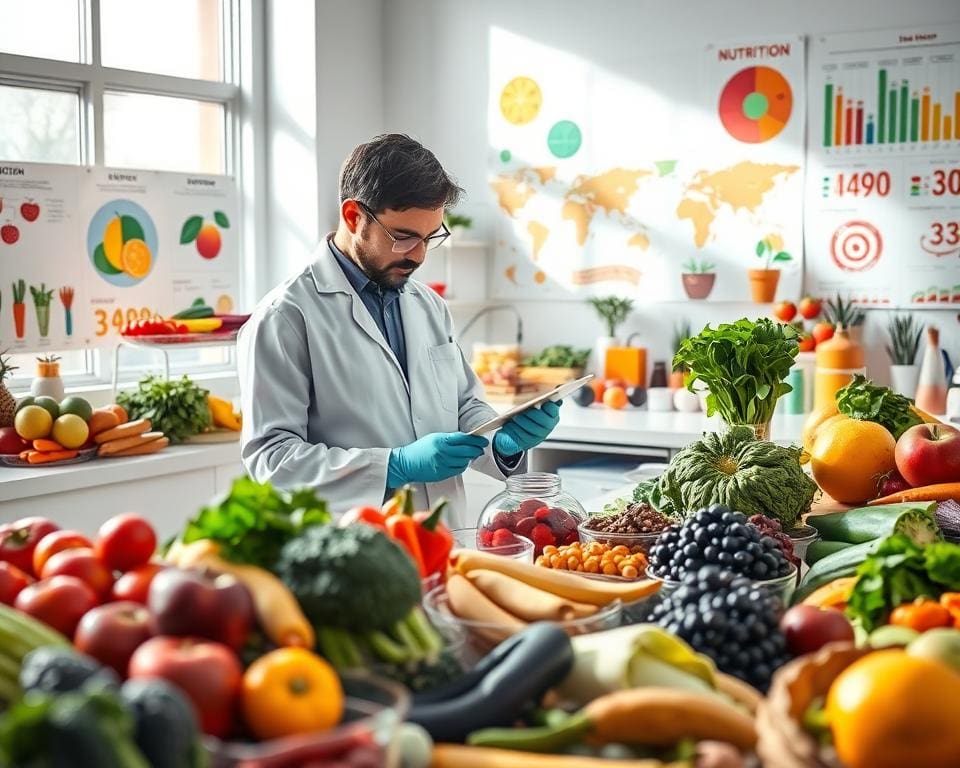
(783, 742)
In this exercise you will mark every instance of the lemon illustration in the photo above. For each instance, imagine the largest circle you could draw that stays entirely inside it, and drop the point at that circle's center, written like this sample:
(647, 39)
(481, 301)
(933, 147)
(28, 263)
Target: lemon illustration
(520, 100)
(113, 242)
(136, 258)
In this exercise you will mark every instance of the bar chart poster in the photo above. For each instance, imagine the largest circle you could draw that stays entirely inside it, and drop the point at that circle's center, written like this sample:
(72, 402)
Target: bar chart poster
(882, 223)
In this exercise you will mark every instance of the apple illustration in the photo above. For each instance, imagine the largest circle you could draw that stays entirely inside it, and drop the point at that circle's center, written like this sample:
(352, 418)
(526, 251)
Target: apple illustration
(111, 633)
(9, 233)
(30, 210)
(929, 453)
(208, 241)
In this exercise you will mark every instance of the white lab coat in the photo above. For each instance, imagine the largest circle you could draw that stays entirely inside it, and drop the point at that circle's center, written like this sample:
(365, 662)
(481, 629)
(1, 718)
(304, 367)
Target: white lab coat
(324, 398)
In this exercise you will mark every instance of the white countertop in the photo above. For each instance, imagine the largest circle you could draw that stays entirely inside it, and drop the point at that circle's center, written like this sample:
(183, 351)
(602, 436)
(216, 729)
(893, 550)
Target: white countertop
(18, 483)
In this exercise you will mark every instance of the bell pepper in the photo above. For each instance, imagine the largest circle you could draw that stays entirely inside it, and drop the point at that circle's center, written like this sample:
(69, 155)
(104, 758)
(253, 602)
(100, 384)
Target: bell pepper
(436, 541)
(921, 615)
(951, 601)
(367, 515)
(403, 530)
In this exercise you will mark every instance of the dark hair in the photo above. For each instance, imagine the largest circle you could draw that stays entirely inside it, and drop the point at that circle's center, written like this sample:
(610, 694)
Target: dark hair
(395, 171)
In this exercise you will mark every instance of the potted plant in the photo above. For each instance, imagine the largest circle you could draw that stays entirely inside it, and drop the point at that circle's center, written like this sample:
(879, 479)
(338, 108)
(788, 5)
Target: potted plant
(48, 381)
(763, 282)
(744, 366)
(681, 332)
(846, 314)
(457, 223)
(613, 310)
(905, 333)
(698, 278)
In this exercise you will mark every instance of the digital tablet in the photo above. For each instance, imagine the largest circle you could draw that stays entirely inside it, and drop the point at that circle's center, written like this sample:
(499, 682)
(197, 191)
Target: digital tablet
(557, 393)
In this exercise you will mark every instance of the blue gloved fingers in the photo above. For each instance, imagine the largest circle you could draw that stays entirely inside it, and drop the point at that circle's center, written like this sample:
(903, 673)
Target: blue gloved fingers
(506, 445)
(520, 436)
(463, 439)
(535, 420)
(552, 408)
(462, 451)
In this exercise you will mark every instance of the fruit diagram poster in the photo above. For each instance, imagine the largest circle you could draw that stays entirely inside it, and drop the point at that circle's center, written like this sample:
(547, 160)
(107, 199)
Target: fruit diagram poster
(883, 186)
(667, 178)
(85, 251)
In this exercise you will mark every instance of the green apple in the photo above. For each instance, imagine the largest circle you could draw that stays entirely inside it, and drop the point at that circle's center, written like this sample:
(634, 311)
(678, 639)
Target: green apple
(941, 644)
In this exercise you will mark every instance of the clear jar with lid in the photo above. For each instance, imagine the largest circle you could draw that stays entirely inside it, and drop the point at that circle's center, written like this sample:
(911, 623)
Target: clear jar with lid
(533, 506)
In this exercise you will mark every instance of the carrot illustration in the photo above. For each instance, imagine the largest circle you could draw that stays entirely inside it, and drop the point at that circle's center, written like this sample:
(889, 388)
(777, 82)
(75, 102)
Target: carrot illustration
(66, 298)
(19, 308)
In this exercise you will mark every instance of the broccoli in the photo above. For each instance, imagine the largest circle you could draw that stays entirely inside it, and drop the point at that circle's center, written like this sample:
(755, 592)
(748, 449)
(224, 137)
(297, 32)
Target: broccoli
(362, 592)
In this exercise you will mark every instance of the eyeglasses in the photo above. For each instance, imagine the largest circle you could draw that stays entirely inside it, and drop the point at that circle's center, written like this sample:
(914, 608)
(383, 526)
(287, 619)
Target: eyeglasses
(408, 243)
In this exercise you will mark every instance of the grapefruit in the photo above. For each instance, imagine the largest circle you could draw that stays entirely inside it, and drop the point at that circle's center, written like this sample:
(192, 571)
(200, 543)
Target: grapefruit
(70, 431)
(848, 457)
(33, 422)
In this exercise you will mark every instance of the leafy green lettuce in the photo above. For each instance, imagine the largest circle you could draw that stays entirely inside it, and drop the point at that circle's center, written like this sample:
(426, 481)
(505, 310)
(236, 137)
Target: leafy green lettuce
(863, 400)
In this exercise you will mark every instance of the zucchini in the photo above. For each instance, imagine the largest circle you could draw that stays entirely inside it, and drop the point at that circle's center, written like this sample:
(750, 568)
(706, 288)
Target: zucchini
(821, 548)
(856, 526)
(835, 566)
(194, 313)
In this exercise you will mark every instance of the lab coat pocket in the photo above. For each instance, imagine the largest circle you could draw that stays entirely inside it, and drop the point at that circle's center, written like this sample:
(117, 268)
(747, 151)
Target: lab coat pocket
(446, 362)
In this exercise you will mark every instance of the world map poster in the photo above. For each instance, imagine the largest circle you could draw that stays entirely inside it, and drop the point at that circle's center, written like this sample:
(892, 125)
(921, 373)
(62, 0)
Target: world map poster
(666, 178)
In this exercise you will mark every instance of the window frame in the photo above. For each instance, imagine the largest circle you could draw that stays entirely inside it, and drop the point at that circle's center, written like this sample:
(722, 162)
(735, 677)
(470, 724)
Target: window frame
(241, 95)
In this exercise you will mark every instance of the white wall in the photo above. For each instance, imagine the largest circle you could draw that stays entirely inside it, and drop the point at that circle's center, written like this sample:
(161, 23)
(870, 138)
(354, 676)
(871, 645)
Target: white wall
(435, 87)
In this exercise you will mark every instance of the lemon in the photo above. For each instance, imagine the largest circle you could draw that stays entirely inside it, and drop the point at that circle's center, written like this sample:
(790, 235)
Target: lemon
(113, 242)
(70, 431)
(33, 422)
(520, 100)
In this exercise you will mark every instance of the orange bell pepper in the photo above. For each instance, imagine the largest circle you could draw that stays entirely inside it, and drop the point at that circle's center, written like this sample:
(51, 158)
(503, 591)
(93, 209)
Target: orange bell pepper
(403, 530)
(922, 614)
(951, 601)
(436, 541)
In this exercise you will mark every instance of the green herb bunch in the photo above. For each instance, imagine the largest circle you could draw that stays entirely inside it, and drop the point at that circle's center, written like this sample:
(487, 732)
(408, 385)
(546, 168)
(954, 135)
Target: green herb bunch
(178, 408)
(613, 310)
(743, 364)
(457, 220)
(905, 333)
(863, 400)
(559, 356)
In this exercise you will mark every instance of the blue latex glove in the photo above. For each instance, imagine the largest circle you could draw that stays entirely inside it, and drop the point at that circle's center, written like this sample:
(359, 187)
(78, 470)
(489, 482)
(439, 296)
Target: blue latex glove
(527, 430)
(432, 458)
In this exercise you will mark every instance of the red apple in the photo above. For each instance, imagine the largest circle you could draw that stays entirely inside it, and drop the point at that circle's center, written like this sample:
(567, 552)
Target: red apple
(823, 331)
(30, 210)
(929, 453)
(82, 563)
(208, 673)
(19, 540)
(810, 307)
(111, 633)
(785, 311)
(9, 234)
(135, 585)
(60, 602)
(808, 628)
(11, 443)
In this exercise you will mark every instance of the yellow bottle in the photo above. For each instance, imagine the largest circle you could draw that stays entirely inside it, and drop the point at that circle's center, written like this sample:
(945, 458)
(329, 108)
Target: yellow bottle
(839, 359)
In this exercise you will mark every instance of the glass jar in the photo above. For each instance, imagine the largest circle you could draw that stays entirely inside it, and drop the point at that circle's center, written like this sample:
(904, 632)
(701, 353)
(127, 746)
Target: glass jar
(533, 506)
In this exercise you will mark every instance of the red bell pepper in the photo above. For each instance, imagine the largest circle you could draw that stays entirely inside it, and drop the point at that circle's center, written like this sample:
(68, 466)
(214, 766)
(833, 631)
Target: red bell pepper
(436, 541)
(403, 529)
(367, 516)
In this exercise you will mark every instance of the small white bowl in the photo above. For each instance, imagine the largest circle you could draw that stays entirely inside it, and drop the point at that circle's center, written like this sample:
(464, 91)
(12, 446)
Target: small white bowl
(660, 399)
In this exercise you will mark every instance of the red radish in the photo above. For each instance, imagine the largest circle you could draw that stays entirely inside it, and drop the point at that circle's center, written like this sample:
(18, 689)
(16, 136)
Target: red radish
(891, 483)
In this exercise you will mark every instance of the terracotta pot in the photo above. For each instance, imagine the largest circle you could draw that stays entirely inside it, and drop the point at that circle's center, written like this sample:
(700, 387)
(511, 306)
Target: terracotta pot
(676, 380)
(698, 286)
(763, 284)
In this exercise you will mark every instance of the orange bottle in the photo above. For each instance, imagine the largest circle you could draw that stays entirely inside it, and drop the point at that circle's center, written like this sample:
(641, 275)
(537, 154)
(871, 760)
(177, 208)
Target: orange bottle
(839, 359)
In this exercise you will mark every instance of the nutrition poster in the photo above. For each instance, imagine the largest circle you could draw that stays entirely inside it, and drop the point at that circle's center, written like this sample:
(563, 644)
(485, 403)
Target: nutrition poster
(84, 251)
(882, 219)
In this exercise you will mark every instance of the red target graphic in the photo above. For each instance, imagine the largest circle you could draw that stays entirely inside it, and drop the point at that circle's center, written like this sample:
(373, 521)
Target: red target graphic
(856, 246)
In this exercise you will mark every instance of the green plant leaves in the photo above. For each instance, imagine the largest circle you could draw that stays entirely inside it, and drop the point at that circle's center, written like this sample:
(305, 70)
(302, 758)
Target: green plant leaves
(130, 229)
(177, 408)
(783, 256)
(221, 218)
(191, 228)
(762, 247)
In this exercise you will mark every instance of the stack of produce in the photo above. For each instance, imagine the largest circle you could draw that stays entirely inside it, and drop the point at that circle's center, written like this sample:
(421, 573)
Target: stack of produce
(131, 438)
(199, 318)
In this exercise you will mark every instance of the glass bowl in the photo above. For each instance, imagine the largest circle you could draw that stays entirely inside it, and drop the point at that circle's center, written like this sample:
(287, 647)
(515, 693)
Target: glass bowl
(782, 586)
(480, 637)
(468, 538)
(631, 540)
(373, 710)
(803, 536)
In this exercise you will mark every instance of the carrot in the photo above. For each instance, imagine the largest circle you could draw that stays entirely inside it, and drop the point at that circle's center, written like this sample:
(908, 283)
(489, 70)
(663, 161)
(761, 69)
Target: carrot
(129, 429)
(47, 446)
(101, 421)
(25, 454)
(935, 492)
(38, 457)
(121, 445)
(141, 450)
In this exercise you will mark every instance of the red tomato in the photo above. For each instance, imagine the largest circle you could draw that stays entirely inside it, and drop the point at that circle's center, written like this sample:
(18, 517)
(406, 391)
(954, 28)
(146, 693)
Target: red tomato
(135, 585)
(125, 542)
(19, 540)
(823, 331)
(12, 582)
(785, 311)
(60, 602)
(809, 307)
(57, 542)
(807, 343)
(84, 564)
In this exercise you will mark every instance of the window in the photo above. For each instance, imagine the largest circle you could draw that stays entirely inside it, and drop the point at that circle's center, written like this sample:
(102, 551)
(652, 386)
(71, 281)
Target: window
(150, 84)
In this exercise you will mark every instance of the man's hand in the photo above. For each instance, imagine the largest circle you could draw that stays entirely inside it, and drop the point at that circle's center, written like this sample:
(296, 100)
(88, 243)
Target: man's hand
(432, 458)
(527, 430)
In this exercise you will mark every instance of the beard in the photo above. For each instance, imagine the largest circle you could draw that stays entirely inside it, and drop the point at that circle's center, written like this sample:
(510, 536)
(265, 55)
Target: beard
(384, 276)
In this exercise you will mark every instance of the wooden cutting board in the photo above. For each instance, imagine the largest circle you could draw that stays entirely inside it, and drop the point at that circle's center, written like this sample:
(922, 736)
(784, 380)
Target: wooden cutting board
(216, 436)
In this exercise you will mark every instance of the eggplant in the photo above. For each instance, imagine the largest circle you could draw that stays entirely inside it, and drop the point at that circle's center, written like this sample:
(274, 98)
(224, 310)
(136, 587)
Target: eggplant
(516, 673)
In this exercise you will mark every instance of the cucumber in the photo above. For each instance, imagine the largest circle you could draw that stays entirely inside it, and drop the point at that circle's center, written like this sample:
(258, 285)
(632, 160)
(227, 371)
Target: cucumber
(856, 526)
(821, 548)
(835, 566)
(194, 313)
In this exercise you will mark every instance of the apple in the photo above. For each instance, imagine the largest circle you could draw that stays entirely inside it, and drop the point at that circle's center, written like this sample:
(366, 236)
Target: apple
(30, 210)
(9, 233)
(60, 602)
(191, 603)
(928, 454)
(785, 311)
(810, 307)
(135, 585)
(208, 673)
(12, 582)
(19, 540)
(82, 563)
(111, 633)
(941, 644)
(11, 443)
(808, 628)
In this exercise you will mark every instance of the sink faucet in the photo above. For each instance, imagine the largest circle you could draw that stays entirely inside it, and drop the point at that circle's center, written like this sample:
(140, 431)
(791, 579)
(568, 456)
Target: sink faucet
(498, 307)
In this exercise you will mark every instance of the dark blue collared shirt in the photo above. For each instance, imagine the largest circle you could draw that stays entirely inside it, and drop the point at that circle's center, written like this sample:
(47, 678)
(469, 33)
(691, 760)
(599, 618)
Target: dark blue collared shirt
(383, 304)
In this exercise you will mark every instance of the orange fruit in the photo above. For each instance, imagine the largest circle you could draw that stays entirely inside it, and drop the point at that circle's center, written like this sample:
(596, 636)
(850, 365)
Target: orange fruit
(136, 258)
(816, 420)
(615, 397)
(889, 709)
(598, 388)
(848, 457)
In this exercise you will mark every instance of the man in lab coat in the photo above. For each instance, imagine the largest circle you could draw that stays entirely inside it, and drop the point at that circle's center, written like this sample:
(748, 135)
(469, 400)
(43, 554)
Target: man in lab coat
(352, 382)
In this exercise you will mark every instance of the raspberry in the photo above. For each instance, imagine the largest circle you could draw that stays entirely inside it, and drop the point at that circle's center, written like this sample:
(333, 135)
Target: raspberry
(543, 514)
(530, 507)
(525, 526)
(500, 520)
(542, 537)
(486, 537)
(504, 538)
